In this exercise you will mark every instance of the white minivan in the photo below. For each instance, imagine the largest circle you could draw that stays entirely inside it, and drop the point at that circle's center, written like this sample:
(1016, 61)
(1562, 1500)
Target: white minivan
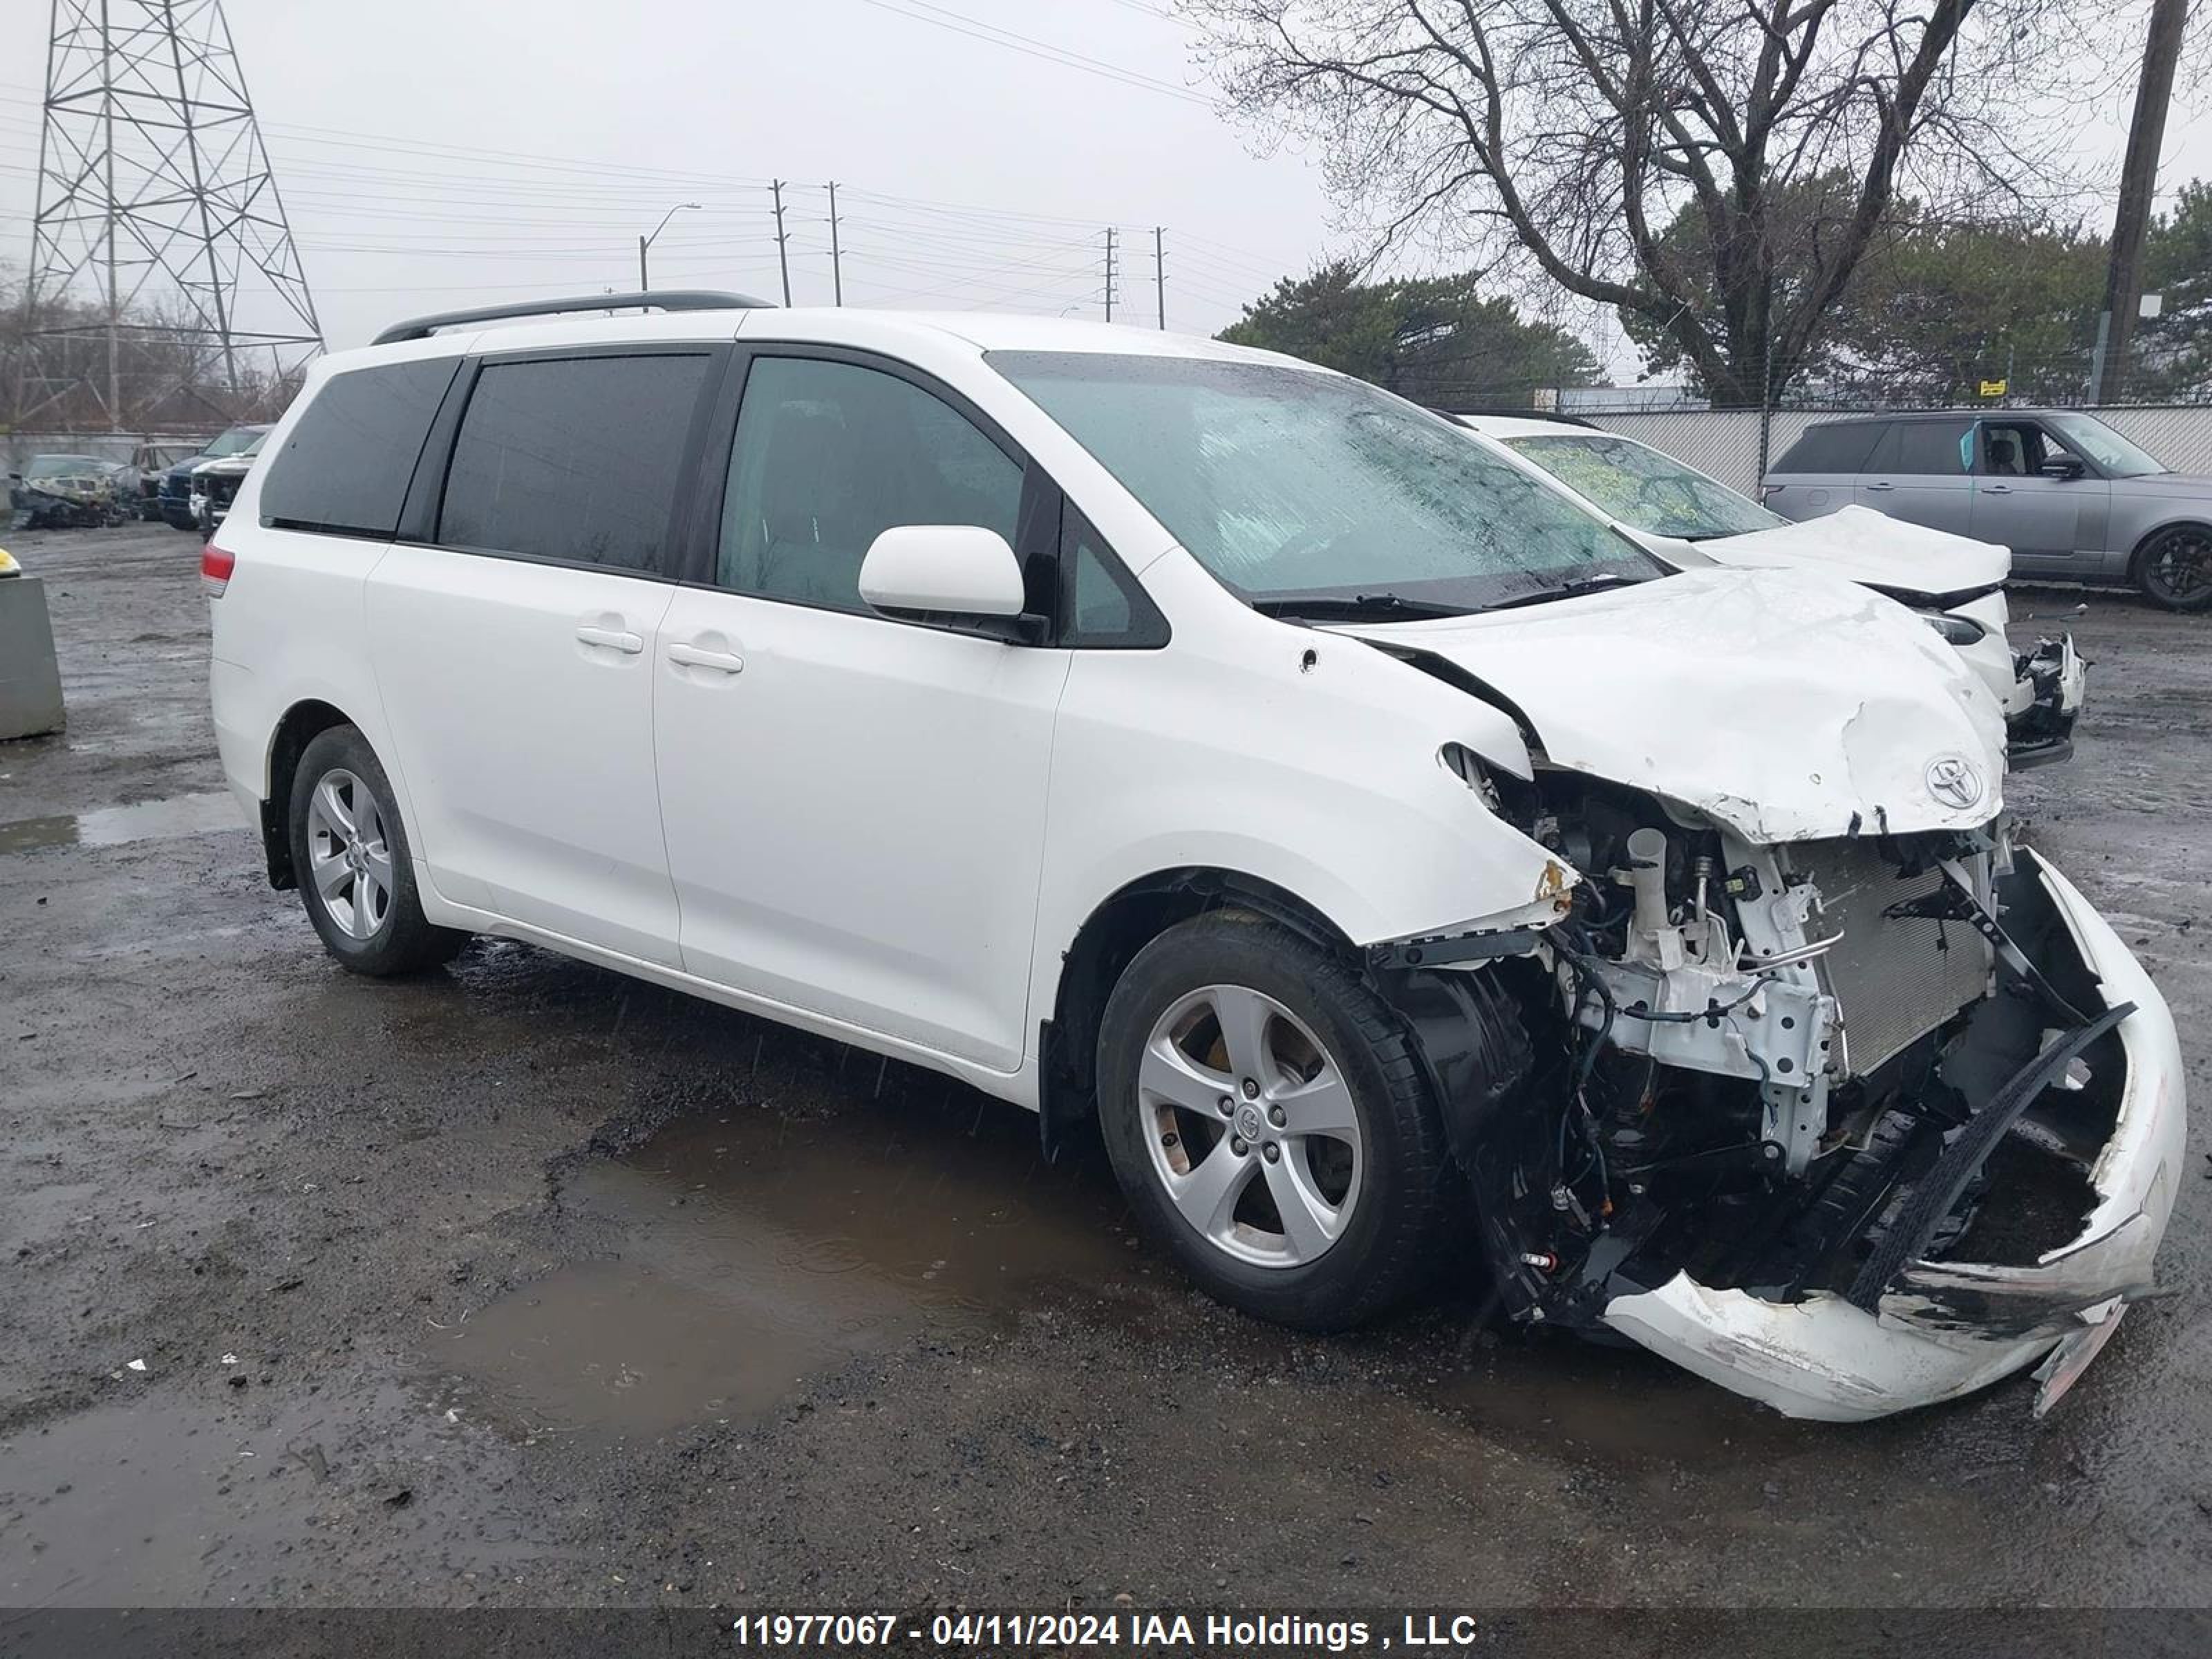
(1214, 751)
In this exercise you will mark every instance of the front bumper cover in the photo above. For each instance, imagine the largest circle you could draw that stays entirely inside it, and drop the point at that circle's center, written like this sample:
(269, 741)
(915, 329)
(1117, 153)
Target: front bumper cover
(1950, 1328)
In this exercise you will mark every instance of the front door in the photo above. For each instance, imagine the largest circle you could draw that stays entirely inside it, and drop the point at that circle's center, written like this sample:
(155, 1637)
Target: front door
(514, 651)
(855, 806)
(2048, 522)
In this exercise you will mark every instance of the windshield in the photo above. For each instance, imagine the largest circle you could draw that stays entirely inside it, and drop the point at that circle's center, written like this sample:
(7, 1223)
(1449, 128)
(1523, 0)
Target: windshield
(2113, 455)
(232, 442)
(62, 466)
(1642, 488)
(1291, 484)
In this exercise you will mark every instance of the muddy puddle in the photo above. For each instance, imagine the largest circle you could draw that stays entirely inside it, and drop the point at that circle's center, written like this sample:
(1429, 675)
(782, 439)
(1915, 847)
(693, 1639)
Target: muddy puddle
(163, 1493)
(751, 1252)
(113, 826)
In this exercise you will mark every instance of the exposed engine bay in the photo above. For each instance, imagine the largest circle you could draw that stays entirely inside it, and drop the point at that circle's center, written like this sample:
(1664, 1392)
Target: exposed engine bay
(1779, 1070)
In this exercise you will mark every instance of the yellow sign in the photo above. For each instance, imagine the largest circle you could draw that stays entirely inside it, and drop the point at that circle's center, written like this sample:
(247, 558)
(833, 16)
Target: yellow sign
(1993, 388)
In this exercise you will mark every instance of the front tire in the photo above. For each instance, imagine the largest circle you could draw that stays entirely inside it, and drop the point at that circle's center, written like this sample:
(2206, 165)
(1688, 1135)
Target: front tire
(1268, 1122)
(2174, 569)
(350, 851)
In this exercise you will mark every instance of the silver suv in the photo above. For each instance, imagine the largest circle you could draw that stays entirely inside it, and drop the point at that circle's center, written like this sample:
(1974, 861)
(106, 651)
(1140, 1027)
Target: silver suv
(2071, 498)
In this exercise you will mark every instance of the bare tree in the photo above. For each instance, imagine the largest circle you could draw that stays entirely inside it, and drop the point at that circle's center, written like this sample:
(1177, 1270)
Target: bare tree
(1566, 139)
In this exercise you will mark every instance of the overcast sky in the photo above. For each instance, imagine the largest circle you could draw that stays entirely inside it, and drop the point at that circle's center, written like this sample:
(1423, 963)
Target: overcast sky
(973, 171)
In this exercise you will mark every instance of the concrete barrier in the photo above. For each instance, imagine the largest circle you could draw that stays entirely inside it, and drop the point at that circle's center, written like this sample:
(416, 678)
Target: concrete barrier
(30, 681)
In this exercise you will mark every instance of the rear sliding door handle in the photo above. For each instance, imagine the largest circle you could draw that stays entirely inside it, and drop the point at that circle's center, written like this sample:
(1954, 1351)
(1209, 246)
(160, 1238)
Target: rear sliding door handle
(612, 638)
(692, 656)
(1997, 490)
(1881, 484)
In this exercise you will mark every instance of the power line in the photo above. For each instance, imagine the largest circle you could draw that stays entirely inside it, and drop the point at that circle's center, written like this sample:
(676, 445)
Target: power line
(1029, 46)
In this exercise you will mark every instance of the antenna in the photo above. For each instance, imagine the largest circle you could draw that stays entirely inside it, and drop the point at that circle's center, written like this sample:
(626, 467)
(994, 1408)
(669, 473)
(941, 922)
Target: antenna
(165, 289)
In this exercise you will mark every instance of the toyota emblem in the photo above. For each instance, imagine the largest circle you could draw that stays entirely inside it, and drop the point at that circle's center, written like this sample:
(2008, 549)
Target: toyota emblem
(1953, 781)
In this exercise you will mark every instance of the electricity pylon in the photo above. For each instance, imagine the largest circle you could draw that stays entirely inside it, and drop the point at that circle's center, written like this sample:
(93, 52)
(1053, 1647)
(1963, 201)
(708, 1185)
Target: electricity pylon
(164, 288)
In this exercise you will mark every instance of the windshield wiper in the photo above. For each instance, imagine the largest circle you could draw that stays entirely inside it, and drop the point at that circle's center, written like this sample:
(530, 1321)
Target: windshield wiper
(1574, 587)
(1355, 607)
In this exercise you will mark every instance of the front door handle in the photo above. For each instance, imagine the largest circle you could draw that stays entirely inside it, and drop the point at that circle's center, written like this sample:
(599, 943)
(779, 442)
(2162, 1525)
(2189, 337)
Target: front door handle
(1997, 490)
(1881, 484)
(692, 656)
(612, 638)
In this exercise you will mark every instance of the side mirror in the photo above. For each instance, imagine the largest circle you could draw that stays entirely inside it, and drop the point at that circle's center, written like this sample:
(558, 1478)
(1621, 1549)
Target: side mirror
(2060, 466)
(960, 571)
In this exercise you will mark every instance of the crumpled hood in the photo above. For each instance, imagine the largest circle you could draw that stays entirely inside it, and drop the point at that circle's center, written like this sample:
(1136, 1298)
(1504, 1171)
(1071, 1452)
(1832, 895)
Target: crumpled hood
(1863, 545)
(1786, 705)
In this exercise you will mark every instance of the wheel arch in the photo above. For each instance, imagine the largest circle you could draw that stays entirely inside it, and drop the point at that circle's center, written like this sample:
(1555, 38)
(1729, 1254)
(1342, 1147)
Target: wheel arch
(2199, 523)
(2180, 521)
(1122, 925)
(300, 725)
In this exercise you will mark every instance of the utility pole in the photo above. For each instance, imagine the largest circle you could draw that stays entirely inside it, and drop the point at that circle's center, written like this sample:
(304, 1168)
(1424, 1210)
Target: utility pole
(2138, 186)
(836, 267)
(782, 257)
(1109, 273)
(1160, 274)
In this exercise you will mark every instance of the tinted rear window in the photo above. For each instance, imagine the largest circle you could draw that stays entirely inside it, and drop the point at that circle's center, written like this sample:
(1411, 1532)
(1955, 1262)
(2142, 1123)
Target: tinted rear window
(345, 466)
(575, 458)
(1831, 449)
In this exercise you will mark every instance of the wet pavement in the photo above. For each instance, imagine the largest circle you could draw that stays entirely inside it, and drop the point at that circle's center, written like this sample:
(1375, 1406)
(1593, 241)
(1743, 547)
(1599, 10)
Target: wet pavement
(524, 1284)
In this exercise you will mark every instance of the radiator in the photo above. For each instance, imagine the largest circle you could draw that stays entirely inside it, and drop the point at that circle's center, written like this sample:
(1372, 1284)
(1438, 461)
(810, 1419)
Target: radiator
(1894, 979)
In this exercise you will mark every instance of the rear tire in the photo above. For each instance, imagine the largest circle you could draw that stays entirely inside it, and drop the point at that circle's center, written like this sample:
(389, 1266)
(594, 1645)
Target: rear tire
(1230, 1033)
(350, 850)
(2174, 569)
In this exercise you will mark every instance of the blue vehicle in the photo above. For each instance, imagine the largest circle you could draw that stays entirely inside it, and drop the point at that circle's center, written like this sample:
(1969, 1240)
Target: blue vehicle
(175, 499)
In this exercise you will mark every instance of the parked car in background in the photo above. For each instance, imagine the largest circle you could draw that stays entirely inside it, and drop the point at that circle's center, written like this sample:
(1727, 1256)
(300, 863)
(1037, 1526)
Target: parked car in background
(1690, 519)
(2070, 497)
(1372, 846)
(152, 463)
(56, 492)
(215, 485)
(176, 497)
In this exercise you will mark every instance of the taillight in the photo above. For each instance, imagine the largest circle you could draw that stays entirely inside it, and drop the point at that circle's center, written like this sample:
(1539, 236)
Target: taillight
(215, 566)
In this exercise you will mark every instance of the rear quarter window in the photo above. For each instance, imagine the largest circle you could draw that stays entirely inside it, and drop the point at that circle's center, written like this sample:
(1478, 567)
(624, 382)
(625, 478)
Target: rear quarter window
(345, 468)
(1832, 448)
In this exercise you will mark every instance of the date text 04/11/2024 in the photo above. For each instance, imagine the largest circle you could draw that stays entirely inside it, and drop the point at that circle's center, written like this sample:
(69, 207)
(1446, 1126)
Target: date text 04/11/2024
(1159, 1630)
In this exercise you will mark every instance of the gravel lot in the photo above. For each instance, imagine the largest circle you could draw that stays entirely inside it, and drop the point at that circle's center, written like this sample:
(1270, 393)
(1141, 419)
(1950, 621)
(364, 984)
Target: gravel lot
(527, 1284)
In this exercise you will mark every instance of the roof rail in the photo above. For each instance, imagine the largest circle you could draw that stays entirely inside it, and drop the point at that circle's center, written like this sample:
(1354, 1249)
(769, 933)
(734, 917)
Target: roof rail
(673, 299)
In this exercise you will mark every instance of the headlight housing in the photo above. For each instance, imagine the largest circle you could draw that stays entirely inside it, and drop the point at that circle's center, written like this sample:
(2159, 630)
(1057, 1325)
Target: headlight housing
(1956, 630)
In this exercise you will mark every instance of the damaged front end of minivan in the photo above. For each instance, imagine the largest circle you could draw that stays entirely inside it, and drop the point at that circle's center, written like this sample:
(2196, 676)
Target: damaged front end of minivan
(1850, 1118)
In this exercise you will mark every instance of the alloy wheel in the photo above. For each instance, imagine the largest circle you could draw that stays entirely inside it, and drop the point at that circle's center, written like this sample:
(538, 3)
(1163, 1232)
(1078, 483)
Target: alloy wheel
(349, 857)
(1253, 1132)
(2176, 567)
